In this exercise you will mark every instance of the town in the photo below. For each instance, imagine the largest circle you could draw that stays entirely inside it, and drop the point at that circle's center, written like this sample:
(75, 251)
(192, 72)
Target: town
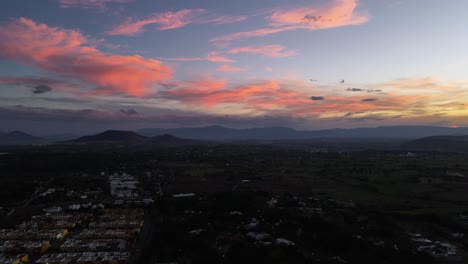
(231, 204)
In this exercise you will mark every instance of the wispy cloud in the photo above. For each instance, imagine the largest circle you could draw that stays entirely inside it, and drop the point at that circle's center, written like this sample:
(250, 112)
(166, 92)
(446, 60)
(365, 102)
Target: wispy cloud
(338, 13)
(172, 20)
(72, 55)
(96, 4)
(224, 40)
(212, 57)
(129, 111)
(274, 51)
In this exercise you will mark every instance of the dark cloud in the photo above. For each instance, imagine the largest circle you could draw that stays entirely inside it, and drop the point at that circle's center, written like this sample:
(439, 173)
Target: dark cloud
(169, 85)
(363, 90)
(40, 89)
(311, 18)
(129, 111)
(348, 114)
(317, 98)
(352, 113)
(369, 100)
(354, 90)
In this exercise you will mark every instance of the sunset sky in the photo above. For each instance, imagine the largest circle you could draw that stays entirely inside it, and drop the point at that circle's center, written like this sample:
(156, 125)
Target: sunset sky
(87, 65)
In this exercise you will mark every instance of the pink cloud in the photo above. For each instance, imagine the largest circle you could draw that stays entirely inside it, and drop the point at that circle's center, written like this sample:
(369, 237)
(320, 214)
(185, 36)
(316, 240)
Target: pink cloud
(280, 97)
(197, 86)
(338, 13)
(165, 21)
(215, 57)
(98, 4)
(70, 54)
(274, 51)
(265, 96)
(230, 68)
(172, 20)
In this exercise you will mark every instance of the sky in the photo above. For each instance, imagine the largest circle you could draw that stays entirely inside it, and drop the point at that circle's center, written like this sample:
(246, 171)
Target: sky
(81, 66)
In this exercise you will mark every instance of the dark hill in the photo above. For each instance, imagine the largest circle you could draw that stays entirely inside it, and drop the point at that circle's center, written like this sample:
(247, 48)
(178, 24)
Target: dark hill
(20, 138)
(168, 140)
(439, 143)
(111, 136)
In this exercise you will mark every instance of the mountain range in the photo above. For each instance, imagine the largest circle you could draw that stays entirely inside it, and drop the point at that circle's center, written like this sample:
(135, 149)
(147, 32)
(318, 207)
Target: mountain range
(219, 133)
(283, 133)
(132, 138)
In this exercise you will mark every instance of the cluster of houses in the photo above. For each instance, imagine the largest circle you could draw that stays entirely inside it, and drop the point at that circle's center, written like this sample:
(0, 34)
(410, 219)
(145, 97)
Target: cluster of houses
(435, 248)
(86, 257)
(99, 236)
(124, 189)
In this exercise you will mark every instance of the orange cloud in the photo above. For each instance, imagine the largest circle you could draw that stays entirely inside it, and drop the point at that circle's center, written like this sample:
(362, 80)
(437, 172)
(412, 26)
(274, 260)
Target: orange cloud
(172, 20)
(274, 51)
(230, 68)
(70, 54)
(336, 14)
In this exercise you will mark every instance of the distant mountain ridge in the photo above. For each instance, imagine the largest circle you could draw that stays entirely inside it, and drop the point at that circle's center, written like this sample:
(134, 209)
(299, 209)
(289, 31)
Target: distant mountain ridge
(133, 139)
(281, 133)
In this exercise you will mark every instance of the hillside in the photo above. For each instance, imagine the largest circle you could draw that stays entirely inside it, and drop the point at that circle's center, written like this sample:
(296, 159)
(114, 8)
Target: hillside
(439, 143)
(20, 138)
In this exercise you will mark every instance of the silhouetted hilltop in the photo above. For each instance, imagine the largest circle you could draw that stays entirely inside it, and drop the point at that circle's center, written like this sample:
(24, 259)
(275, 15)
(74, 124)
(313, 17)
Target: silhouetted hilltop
(19, 138)
(111, 136)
